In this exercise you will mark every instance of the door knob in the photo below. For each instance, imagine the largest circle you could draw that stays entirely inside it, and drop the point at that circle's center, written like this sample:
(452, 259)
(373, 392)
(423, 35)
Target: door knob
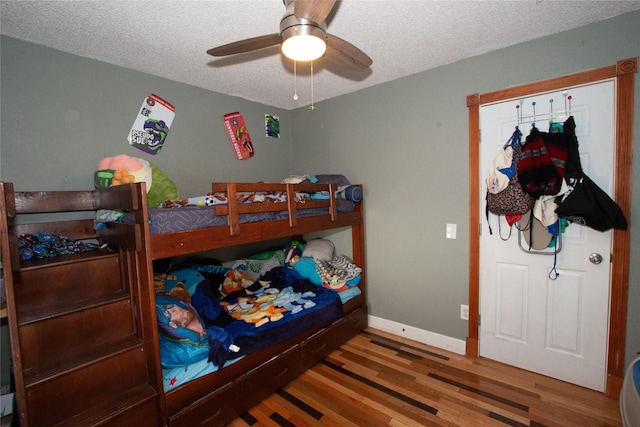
(595, 258)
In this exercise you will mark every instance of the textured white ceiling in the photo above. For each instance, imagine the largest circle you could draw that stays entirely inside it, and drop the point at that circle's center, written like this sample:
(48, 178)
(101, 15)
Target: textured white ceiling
(170, 38)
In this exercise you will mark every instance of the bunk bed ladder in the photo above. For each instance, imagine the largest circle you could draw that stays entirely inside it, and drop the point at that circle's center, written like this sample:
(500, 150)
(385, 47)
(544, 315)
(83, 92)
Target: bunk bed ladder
(81, 325)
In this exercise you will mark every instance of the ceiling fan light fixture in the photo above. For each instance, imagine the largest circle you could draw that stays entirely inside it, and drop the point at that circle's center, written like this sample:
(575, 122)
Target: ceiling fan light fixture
(303, 43)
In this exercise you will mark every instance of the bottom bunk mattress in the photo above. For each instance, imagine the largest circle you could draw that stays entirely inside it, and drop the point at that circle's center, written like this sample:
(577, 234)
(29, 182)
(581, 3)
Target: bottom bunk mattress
(231, 315)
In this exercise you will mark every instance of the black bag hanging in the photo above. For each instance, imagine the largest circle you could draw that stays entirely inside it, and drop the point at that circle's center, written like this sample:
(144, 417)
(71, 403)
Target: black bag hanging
(587, 204)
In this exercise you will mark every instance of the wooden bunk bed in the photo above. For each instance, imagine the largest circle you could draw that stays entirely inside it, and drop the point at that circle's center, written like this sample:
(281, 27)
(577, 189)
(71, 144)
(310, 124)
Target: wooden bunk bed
(83, 330)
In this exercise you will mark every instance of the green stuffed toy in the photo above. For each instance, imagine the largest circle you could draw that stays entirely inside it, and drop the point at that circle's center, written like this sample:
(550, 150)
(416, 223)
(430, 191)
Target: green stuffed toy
(124, 169)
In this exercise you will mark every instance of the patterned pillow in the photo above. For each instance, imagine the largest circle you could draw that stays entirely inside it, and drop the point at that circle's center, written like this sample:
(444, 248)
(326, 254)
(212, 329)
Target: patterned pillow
(170, 328)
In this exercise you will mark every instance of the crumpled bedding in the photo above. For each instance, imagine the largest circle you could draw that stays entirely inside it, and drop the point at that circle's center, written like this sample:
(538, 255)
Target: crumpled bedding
(212, 199)
(338, 273)
(257, 311)
(278, 306)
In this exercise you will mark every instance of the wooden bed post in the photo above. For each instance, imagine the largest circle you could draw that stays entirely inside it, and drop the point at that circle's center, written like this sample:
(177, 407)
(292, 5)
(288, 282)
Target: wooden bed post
(358, 246)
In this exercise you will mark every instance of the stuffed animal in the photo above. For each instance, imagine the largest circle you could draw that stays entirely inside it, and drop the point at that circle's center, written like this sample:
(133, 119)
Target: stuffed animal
(124, 169)
(159, 281)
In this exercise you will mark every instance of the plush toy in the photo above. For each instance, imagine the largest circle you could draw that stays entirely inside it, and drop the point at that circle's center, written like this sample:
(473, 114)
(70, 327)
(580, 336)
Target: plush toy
(180, 291)
(159, 281)
(124, 169)
(188, 277)
(294, 250)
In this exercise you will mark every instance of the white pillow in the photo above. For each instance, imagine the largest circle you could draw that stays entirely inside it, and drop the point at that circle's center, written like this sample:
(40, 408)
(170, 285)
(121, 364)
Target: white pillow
(320, 249)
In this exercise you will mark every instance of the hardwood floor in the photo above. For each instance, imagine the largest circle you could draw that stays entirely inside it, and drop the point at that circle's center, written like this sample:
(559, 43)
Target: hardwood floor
(379, 379)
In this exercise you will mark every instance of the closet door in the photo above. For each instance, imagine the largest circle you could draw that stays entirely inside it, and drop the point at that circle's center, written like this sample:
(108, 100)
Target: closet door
(555, 327)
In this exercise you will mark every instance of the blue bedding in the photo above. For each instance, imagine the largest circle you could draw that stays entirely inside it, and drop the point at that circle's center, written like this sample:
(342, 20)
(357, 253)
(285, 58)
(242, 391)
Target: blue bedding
(280, 305)
(291, 305)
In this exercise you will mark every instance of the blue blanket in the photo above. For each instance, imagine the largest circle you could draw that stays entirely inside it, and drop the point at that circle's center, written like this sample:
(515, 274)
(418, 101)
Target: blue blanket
(279, 306)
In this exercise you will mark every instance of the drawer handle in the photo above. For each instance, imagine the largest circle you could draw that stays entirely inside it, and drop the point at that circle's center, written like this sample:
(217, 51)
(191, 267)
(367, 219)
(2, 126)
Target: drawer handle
(322, 347)
(281, 373)
(208, 420)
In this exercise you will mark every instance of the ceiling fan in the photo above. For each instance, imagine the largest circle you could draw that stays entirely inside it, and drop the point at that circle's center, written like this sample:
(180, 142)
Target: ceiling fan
(303, 35)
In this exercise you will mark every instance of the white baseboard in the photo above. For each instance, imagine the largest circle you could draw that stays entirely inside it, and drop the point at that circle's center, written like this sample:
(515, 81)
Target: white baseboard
(425, 337)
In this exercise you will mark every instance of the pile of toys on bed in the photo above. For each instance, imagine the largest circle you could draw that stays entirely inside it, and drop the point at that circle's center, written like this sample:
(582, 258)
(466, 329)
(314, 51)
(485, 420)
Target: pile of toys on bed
(216, 311)
(345, 191)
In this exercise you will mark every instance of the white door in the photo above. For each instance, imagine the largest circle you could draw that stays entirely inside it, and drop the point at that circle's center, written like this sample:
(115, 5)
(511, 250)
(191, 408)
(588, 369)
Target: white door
(554, 327)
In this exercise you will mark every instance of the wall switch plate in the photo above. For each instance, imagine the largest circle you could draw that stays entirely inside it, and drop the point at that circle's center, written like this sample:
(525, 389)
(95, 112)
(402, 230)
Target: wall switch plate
(464, 312)
(452, 230)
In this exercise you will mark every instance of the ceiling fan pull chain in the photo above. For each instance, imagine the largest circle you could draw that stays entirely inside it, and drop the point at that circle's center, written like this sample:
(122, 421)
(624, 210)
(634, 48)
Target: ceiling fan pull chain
(295, 81)
(312, 107)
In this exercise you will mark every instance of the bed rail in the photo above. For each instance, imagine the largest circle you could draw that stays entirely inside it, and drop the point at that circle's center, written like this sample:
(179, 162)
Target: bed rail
(233, 210)
(119, 197)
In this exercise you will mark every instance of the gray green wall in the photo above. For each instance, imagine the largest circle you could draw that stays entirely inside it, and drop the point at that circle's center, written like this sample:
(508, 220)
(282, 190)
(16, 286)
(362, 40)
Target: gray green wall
(62, 113)
(406, 141)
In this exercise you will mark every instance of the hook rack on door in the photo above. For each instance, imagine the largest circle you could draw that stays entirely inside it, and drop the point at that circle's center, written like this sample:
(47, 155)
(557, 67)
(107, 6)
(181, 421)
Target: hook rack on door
(551, 115)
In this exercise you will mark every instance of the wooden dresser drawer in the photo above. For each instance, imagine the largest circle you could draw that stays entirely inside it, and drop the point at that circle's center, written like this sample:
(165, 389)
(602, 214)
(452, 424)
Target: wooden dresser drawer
(319, 345)
(242, 393)
(316, 347)
(349, 326)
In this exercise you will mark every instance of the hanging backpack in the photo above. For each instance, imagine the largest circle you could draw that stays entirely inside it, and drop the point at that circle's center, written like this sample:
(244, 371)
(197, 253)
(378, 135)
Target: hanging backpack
(587, 204)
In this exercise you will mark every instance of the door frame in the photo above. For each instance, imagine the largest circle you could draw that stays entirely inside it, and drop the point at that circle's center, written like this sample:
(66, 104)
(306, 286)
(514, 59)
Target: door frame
(624, 73)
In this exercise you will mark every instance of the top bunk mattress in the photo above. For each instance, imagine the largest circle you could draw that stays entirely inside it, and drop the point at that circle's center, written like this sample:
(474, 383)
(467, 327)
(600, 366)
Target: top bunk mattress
(231, 204)
(168, 220)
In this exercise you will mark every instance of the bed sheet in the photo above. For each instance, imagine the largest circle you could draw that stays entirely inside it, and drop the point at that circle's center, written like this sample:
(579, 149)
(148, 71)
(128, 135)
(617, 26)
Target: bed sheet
(175, 377)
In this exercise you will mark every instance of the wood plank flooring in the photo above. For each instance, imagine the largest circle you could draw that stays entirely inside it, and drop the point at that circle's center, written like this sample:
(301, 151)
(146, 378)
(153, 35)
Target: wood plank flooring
(379, 379)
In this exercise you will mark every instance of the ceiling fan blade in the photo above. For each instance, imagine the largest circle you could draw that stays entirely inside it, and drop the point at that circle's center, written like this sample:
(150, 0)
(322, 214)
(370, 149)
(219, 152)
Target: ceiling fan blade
(247, 45)
(313, 10)
(342, 52)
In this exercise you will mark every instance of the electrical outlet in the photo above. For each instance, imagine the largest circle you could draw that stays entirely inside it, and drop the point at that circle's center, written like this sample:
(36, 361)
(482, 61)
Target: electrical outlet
(464, 312)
